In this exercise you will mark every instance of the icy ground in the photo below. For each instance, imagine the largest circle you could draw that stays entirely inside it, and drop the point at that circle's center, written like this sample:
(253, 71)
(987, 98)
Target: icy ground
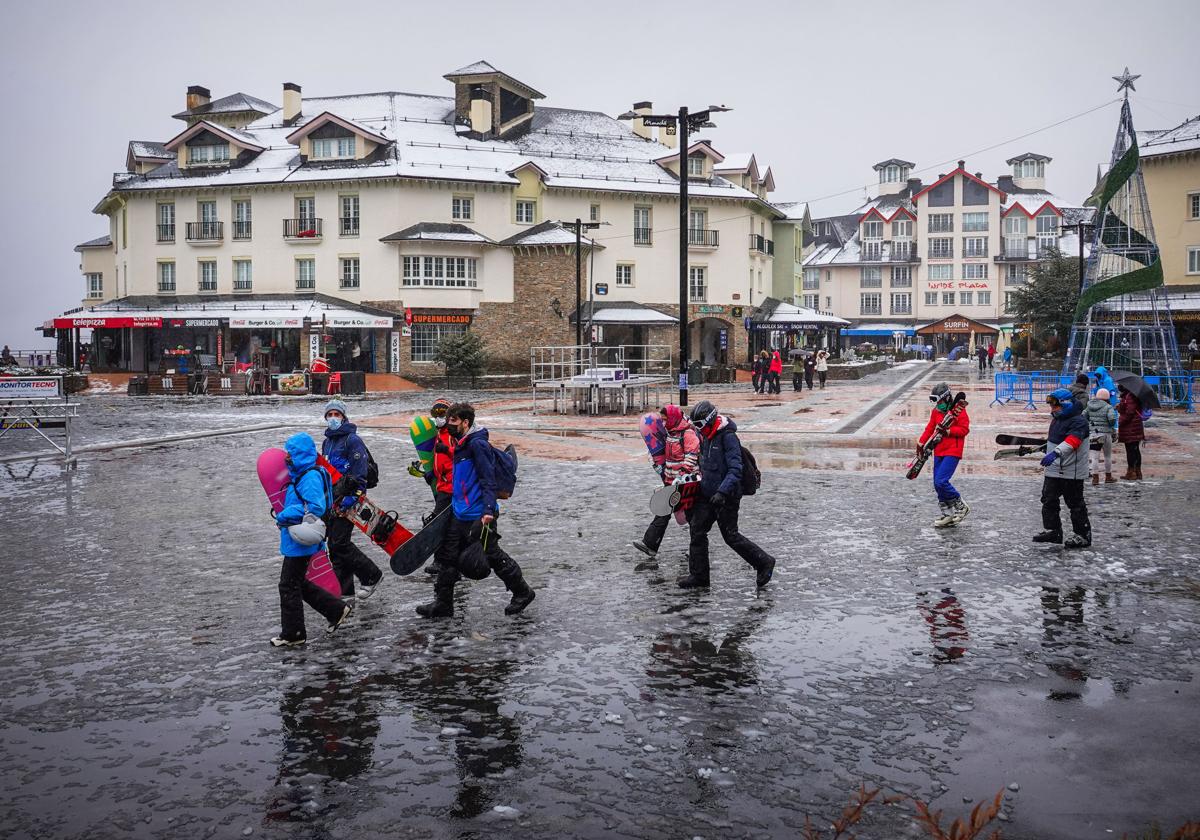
(141, 699)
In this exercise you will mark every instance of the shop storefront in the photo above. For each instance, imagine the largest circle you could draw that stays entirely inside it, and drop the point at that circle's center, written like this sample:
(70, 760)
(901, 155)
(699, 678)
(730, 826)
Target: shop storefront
(957, 334)
(271, 342)
(785, 326)
(893, 336)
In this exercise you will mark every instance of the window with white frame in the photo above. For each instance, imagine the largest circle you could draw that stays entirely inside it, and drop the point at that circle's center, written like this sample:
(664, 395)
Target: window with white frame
(214, 153)
(901, 276)
(931, 298)
(890, 174)
(594, 213)
(985, 298)
(641, 226)
(947, 298)
(1029, 169)
(965, 298)
(526, 212)
(941, 222)
(695, 166)
(332, 148)
(624, 274)
(760, 281)
(241, 218)
(697, 219)
(1008, 302)
(870, 303)
(206, 275)
(974, 222)
(1193, 261)
(975, 271)
(812, 278)
(243, 276)
(427, 337)
(306, 210)
(902, 229)
(462, 208)
(811, 301)
(454, 272)
(901, 303)
(941, 248)
(697, 283)
(1015, 274)
(828, 302)
(349, 215)
(872, 229)
(306, 274)
(349, 276)
(870, 277)
(166, 276)
(975, 246)
(1194, 206)
(942, 271)
(95, 285)
(166, 221)
(1047, 231)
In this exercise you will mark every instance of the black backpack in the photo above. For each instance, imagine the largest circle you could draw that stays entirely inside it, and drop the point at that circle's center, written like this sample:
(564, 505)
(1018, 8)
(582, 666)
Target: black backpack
(751, 477)
(372, 470)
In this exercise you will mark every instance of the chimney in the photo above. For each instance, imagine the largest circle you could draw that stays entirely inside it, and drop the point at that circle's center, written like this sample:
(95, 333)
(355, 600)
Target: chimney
(962, 164)
(292, 102)
(979, 175)
(639, 128)
(197, 95)
(481, 110)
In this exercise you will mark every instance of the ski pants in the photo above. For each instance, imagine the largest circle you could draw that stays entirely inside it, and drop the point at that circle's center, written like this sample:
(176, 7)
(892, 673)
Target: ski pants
(656, 531)
(798, 383)
(703, 516)
(295, 590)
(1070, 490)
(943, 470)
(1133, 454)
(822, 374)
(1101, 443)
(347, 559)
(754, 380)
(808, 379)
(452, 555)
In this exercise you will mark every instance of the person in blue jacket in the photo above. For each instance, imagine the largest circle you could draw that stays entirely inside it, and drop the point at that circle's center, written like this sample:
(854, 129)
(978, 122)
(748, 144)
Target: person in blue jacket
(475, 510)
(719, 499)
(1066, 464)
(309, 489)
(344, 449)
(1104, 380)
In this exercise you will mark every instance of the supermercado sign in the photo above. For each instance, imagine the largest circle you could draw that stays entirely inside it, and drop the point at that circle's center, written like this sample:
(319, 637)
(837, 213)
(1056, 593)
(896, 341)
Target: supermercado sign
(30, 387)
(440, 318)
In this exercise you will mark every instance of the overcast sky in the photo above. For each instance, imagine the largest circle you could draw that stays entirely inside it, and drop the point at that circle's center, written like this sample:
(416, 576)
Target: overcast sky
(821, 90)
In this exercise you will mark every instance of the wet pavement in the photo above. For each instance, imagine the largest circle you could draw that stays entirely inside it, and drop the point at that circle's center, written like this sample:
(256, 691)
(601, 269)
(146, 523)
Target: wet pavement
(141, 698)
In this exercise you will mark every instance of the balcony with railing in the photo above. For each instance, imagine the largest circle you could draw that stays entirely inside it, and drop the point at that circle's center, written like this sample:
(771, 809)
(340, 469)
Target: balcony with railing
(871, 250)
(242, 230)
(165, 233)
(349, 226)
(902, 308)
(761, 244)
(205, 233)
(702, 238)
(643, 236)
(1017, 248)
(904, 250)
(204, 286)
(302, 230)
(870, 309)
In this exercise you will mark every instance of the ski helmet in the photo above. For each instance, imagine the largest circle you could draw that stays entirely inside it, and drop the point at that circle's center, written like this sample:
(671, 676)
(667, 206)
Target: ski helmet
(940, 393)
(703, 413)
(309, 531)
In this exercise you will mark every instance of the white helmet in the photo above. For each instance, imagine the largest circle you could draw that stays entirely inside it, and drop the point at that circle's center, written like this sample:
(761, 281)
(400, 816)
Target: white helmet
(309, 531)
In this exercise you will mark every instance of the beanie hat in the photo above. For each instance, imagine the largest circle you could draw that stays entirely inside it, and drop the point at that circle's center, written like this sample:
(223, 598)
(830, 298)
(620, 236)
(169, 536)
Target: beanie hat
(336, 405)
(441, 402)
(1103, 394)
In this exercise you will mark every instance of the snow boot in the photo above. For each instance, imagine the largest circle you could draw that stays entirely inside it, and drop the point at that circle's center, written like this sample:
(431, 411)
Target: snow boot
(764, 573)
(1128, 474)
(1137, 474)
(946, 517)
(1077, 541)
(1049, 537)
(279, 641)
(521, 598)
(334, 625)
(1095, 479)
(691, 582)
(433, 568)
(645, 549)
(1108, 479)
(442, 605)
(522, 595)
(959, 510)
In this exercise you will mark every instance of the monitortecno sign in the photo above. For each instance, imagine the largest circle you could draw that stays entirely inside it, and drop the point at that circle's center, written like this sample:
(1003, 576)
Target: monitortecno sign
(29, 387)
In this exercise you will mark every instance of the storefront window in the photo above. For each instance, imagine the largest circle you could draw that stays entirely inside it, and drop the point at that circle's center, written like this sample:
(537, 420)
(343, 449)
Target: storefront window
(426, 337)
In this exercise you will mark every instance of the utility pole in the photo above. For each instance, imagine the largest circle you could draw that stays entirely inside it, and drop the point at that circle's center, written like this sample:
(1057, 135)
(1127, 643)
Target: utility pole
(579, 226)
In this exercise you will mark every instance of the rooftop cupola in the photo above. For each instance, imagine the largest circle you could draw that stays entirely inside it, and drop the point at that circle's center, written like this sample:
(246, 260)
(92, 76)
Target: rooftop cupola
(1029, 171)
(893, 175)
(489, 103)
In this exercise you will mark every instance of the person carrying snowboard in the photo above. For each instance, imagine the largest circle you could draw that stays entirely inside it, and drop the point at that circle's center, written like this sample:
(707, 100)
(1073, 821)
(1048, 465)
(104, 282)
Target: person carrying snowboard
(440, 477)
(1066, 467)
(719, 499)
(308, 492)
(681, 457)
(345, 450)
(475, 512)
(946, 455)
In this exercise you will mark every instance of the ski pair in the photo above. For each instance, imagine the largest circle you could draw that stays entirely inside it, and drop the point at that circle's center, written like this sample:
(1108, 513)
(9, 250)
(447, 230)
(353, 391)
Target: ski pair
(939, 433)
(1024, 446)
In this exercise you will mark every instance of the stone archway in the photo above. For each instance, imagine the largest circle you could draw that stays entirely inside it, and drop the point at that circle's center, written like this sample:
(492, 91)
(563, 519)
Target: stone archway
(704, 339)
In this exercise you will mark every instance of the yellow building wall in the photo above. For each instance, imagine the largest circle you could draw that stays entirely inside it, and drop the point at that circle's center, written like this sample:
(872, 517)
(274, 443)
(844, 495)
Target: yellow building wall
(1169, 181)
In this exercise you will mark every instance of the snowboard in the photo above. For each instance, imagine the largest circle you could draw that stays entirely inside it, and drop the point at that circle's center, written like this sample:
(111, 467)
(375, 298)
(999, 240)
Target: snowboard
(939, 433)
(273, 474)
(1018, 440)
(412, 554)
(424, 434)
(380, 525)
(1019, 452)
(675, 497)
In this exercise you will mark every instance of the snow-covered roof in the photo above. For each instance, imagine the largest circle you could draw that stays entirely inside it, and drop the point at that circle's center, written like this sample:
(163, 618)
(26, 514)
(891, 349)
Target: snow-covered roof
(1028, 156)
(99, 242)
(326, 117)
(1031, 202)
(1184, 137)
(584, 150)
(546, 233)
(242, 138)
(269, 306)
(151, 149)
(624, 312)
(484, 68)
(790, 314)
(440, 232)
(903, 164)
(232, 104)
(736, 162)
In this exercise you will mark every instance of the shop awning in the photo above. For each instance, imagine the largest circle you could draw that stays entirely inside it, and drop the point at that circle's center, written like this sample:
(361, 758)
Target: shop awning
(242, 313)
(880, 329)
(788, 316)
(628, 313)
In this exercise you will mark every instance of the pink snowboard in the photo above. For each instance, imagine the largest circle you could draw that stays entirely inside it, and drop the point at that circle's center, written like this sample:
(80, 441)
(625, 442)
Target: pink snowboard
(273, 473)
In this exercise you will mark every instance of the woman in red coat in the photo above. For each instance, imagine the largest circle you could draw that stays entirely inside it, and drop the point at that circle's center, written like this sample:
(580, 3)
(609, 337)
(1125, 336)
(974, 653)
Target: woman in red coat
(776, 371)
(1131, 432)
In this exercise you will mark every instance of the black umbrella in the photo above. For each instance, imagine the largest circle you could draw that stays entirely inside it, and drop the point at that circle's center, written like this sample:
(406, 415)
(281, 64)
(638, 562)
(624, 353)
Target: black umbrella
(1137, 386)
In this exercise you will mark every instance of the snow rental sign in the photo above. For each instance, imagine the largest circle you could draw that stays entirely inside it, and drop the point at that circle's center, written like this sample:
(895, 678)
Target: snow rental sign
(30, 387)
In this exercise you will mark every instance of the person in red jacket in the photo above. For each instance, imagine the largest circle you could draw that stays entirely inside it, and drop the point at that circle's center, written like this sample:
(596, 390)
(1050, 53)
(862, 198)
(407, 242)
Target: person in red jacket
(1131, 431)
(441, 477)
(946, 456)
(776, 372)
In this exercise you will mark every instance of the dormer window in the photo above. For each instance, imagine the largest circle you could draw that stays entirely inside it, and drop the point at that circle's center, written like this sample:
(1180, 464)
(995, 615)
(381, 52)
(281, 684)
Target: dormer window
(1029, 168)
(890, 174)
(333, 148)
(872, 229)
(695, 166)
(214, 153)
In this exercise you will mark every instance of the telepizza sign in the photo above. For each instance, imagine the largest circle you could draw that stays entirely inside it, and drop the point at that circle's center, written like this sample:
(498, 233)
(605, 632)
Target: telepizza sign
(106, 322)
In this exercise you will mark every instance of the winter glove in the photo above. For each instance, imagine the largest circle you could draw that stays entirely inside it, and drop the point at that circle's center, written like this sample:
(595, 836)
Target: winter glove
(1050, 458)
(718, 500)
(414, 469)
(348, 502)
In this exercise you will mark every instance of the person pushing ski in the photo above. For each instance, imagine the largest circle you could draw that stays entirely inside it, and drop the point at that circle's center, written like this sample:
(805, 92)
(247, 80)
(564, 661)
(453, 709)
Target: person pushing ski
(475, 512)
(344, 449)
(681, 457)
(946, 455)
(1066, 466)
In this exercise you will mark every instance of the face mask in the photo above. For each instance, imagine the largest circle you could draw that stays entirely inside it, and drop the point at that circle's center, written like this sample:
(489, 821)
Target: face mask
(334, 423)
(439, 422)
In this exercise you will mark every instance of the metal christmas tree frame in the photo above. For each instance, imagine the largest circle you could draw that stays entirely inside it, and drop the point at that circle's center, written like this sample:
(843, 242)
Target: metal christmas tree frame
(1123, 319)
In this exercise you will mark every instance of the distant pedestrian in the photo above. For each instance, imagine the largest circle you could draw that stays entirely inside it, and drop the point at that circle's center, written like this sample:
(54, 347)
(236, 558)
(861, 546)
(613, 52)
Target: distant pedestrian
(1193, 347)
(1102, 423)
(1104, 380)
(810, 367)
(776, 371)
(991, 350)
(946, 455)
(1007, 359)
(756, 372)
(798, 372)
(6, 357)
(822, 365)
(981, 353)
(1066, 469)
(1131, 431)
(1080, 388)
(764, 372)
(720, 498)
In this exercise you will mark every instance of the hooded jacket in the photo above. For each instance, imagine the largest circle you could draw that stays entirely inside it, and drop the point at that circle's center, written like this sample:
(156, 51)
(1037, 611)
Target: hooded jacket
(1101, 417)
(1105, 380)
(1066, 436)
(683, 446)
(443, 461)
(720, 459)
(952, 443)
(1129, 410)
(344, 449)
(474, 476)
(776, 363)
(312, 490)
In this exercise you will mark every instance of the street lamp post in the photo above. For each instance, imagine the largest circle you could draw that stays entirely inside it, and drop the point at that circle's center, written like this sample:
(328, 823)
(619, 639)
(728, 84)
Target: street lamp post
(579, 226)
(683, 122)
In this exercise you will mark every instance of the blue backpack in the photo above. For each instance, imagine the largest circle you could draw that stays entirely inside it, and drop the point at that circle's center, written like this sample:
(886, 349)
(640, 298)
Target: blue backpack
(504, 462)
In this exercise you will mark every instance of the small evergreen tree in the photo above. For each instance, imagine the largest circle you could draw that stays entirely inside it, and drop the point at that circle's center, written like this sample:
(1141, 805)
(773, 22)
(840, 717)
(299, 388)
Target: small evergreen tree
(464, 354)
(1047, 301)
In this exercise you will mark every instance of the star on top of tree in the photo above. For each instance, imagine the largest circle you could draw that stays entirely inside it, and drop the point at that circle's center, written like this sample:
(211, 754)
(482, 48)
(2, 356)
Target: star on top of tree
(1126, 80)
